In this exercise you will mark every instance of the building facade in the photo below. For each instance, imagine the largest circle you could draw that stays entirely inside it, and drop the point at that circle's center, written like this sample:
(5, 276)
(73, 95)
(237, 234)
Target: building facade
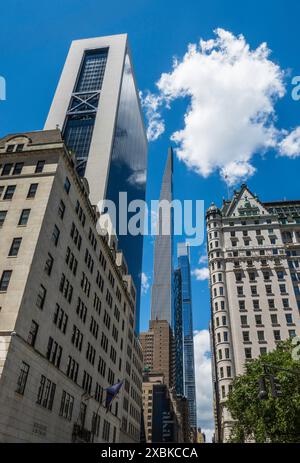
(158, 350)
(178, 333)
(254, 258)
(67, 305)
(162, 288)
(96, 105)
(187, 329)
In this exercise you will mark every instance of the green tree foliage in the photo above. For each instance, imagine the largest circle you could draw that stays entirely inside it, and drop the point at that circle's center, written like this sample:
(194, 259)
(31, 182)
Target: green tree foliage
(273, 419)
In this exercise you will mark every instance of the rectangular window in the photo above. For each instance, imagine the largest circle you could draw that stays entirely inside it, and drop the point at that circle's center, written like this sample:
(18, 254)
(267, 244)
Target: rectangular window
(67, 185)
(6, 169)
(15, 246)
(289, 318)
(18, 168)
(49, 264)
(66, 406)
(22, 380)
(41, 297)
(33, 333)
(248, 353)
(54, 352)
(55, 235)
(9, 192)
(32, 190)
(260, 335)
(2, 217)
(277, 335)
(4, 282)
(23, 220)
(39, 167)
(46, 393)
(61, 209)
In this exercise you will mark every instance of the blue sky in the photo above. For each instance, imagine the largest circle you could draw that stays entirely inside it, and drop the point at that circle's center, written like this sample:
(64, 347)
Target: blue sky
(35, 37)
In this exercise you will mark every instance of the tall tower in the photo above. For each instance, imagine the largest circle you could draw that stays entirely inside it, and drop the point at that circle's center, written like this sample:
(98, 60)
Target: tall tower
(187, 327)
(96, 106)
(162, 289)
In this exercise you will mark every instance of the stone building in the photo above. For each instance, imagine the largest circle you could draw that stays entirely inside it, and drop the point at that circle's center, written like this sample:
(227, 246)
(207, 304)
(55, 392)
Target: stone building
(67, 305)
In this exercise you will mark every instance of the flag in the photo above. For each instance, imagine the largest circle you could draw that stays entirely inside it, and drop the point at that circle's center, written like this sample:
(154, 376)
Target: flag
(111, 393)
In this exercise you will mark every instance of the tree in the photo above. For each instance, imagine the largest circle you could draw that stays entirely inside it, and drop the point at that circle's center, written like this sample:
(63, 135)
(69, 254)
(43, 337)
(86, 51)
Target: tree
(273, 419)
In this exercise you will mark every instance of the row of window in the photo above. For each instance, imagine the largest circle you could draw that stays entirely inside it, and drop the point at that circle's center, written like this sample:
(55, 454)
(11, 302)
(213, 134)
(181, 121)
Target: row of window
(16, 169)
(9, 191)
(46, 395)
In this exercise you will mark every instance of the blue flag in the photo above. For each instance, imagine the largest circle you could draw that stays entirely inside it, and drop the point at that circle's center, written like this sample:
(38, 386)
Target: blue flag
(111, 393)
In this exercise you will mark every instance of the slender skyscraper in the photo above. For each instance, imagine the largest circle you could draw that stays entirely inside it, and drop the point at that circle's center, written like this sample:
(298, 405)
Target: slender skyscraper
(96, 105)
(188, 340)
(162, 289)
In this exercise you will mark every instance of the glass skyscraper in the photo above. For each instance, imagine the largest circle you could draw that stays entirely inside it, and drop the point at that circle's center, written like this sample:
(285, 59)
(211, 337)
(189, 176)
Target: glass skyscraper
(178, 333)
(187, 327)
(96, 105)
(162, 289)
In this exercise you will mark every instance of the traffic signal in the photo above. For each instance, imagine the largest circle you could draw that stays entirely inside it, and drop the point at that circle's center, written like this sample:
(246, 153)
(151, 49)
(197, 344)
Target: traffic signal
(262, 394)
(275, 386)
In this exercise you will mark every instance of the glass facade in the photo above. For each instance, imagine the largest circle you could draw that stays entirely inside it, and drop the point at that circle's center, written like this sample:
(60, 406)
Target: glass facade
(188, 340)
(80, 120)
(128, 169)
(178, 333)
(162, 290)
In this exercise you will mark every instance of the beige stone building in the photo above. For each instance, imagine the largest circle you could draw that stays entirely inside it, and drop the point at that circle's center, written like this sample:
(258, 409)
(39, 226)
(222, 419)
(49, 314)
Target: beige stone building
(67, 305)
(254, 258)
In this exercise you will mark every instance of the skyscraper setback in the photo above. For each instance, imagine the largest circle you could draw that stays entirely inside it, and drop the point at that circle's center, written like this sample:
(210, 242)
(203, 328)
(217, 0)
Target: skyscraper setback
(96, 105)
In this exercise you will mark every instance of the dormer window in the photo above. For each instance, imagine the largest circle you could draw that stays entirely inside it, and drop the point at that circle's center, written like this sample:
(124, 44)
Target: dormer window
(19, 147)
(10, 148)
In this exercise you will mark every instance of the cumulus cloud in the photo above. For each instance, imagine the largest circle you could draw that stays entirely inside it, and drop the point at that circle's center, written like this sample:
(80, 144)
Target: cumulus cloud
(201, 274)
(145, 283)
(290, 145)
(232, 91)
(203, 259)
(203, 382)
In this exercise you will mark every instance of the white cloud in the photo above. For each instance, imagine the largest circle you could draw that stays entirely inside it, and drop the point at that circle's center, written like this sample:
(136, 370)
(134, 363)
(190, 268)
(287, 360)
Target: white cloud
(145, 283)
(201, 274)
(203, 382)
(203, 259)
(290, 145)
(232, 92)
(137, 178)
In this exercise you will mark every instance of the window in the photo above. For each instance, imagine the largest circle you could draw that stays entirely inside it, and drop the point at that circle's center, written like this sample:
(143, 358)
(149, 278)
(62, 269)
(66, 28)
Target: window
(4, 282)
(55, 235)
(19, 147)
(253, 290)
(24, 217)
(22, 380)
(244, 320)
(271, 303)
(248, 353)
(274, 319)
(33, 333)
(263, 350)
(246, 336)
(46, 393)
(60, 318)
(277, 335)
(282, 289)
(18, 168)
(54, 352)
(260, 336)
(32, 190)
(10, 148)
(285, 303)
(242, 305)
(280, 275)
(6, 169)
(2, 217)
(41, 297)
(289, 318)
(9, 192)
(106, 431)
(39, 167)
(268, 289)
(77, 338)
(66, 406)
(86, 382)
(258, 320)
(61, 209)
(72, 369)
(67, 185)
(256, 304)
(49, 264)
(15, 246)
(292, 333)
